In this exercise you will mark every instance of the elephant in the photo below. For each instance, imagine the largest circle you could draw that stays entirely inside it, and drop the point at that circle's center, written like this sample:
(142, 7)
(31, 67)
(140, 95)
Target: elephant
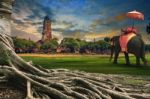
(135, 46)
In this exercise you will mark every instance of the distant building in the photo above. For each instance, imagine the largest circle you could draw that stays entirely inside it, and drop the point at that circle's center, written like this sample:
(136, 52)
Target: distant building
(47, 31)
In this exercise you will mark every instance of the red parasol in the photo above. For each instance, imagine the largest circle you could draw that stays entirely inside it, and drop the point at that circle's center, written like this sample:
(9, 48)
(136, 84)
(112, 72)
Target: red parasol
(135, 15)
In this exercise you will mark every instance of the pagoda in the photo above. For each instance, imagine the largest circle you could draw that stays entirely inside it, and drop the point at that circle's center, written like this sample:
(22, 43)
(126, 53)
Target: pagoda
(47, 31)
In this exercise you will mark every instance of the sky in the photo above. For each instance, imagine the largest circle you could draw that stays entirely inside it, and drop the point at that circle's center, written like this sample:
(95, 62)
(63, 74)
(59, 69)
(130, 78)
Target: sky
(84, 19)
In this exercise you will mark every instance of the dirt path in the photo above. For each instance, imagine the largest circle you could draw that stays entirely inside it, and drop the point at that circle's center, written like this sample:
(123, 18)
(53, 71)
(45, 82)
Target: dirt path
(59, 55)
(65, 55)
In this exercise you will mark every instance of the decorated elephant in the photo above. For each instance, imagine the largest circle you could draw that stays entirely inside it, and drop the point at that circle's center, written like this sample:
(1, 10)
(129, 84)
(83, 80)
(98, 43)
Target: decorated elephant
(135, 46)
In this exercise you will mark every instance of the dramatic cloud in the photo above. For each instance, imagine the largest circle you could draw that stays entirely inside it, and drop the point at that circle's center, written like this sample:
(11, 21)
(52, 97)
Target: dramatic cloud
(76, 18)
(25, 35)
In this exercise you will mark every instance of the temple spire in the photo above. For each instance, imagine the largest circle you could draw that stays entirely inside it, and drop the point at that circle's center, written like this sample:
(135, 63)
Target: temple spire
(47, 32)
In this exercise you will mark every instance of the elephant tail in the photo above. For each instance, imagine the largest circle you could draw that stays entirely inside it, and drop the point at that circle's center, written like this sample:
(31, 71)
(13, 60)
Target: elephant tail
(112, 45)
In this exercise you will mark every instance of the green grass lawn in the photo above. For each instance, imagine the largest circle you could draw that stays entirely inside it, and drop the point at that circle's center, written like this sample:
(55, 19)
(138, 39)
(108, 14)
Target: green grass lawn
(95, 64)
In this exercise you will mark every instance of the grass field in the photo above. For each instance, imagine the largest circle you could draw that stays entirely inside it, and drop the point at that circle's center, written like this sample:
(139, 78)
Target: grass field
(88, 63)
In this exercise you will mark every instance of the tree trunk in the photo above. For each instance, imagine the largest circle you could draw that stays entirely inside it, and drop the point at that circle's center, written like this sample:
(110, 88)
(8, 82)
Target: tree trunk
(46, 84)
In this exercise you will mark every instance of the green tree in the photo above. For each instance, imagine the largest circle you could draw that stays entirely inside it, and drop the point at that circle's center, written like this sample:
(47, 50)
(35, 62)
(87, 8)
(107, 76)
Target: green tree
(50, 46)
(23, 43)
(107, 39)
(71, 44)
(83, 46)
(103, 44)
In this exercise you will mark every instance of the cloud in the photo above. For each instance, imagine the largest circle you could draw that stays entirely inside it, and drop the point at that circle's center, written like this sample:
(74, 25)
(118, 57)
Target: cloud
(75, 33)
(58, 35)
(91, 36)
(27, 18)
(101, 25)
(73, 18)
(24, 35)
(70, 26)
(120, 17)
(34, 8)
(62, 25)
(77, 22)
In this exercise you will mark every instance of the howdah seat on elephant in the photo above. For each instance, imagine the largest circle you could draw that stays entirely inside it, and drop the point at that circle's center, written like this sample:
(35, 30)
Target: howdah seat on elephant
(125, 37)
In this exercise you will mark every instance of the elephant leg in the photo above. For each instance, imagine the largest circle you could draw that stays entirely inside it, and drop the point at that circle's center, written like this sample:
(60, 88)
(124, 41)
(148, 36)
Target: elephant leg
(127, 58)
(116, 57)
(144, 60)
(138, 60)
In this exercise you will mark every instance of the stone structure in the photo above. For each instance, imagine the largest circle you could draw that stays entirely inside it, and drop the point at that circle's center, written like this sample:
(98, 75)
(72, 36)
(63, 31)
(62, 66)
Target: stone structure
(5, 8)
(5, 16)
(46, 34)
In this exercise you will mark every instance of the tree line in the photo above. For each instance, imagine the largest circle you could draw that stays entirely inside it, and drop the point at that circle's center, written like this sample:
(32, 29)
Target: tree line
(67, 45)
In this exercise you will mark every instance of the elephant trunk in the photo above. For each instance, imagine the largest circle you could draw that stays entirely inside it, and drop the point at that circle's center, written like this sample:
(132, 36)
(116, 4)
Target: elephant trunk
(112, 49)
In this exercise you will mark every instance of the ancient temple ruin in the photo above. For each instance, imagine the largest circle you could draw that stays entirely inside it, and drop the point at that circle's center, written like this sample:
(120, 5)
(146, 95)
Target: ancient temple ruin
(47, 31)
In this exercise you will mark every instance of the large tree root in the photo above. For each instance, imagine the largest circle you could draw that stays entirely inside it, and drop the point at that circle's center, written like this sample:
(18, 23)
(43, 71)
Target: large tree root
(42, 83)
(62, 84)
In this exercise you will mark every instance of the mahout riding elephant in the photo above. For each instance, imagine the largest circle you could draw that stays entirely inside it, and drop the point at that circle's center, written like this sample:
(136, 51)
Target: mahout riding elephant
(135, 46)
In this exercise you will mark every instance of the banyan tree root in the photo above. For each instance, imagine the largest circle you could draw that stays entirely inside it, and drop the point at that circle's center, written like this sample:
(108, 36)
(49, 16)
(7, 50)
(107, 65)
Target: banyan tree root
(43, 83)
